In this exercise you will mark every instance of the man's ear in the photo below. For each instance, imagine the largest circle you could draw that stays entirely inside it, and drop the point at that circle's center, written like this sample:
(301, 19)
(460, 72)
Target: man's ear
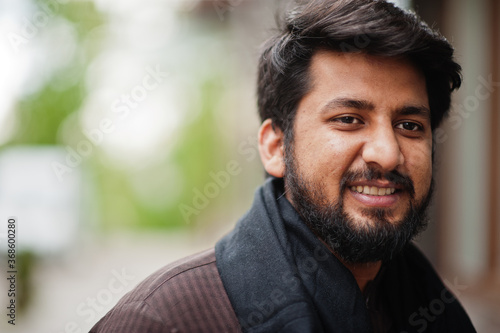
(271, 149)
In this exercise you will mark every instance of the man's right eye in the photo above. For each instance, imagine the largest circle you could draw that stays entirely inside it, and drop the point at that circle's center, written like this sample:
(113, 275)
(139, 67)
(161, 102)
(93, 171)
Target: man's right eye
(347, 120)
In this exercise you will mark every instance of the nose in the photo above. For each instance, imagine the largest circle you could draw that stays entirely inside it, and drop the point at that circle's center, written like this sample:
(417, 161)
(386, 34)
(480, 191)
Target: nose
(382, 148)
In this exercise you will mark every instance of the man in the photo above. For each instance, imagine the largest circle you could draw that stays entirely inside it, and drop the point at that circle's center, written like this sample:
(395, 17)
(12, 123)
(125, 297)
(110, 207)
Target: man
(349, 92)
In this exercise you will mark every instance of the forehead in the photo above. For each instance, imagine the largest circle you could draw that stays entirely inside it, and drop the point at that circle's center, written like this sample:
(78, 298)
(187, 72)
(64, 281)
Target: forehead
(362, 76)
(346, 61)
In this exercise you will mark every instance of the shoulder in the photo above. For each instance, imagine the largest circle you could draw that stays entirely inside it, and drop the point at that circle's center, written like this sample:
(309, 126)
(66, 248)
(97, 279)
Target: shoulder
(185, 296)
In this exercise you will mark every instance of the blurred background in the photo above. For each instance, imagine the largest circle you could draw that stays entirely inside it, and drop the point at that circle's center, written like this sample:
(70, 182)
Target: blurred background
(128, 140)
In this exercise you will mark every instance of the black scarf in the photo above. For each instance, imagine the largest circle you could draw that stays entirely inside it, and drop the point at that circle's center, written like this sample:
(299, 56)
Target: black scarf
(280, 278)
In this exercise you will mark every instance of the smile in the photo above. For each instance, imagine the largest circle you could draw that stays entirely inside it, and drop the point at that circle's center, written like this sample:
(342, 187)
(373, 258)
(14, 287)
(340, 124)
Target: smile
(374, 190)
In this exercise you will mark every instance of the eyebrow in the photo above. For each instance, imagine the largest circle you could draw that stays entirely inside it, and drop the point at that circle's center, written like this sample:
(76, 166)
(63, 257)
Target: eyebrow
(359, 104)
(347, 103)
(415, 110)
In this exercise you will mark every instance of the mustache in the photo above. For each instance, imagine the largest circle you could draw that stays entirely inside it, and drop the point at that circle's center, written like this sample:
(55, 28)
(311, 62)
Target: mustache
(371, 173)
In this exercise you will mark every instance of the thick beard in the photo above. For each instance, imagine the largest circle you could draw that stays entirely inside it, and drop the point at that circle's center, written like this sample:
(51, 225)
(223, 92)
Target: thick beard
(356, 242)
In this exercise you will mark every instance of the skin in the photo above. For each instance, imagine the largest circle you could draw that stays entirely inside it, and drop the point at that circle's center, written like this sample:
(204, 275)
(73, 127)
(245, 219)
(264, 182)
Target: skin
(361, 111)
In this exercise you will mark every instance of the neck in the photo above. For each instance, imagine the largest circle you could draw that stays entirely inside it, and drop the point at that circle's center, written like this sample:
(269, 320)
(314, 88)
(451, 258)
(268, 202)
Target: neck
(364, 272)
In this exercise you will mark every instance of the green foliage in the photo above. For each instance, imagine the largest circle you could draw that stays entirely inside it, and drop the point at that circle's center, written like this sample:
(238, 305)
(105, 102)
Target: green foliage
(198, 151)
(199, 147)
(41, 114)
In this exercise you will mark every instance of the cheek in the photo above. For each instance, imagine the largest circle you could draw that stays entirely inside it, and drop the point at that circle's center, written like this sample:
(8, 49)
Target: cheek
(331, 153)
(419, 165)
(323, 155)
(327, 158)
(343, 154)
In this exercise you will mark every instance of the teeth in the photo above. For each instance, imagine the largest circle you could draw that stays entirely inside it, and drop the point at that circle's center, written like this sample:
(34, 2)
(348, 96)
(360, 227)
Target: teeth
(373, 190)
(366, 190)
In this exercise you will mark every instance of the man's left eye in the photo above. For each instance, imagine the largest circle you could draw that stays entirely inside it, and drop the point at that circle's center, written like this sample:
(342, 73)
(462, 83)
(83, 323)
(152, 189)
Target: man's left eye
(347, 120)
(410, 126)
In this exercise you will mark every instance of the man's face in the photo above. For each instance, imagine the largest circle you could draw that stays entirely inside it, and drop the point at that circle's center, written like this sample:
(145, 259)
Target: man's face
(359, 168)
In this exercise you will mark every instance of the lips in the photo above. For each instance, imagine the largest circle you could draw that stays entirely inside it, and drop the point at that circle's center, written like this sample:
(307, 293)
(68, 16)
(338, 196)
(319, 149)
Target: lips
(372, 188)
(382, 194)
